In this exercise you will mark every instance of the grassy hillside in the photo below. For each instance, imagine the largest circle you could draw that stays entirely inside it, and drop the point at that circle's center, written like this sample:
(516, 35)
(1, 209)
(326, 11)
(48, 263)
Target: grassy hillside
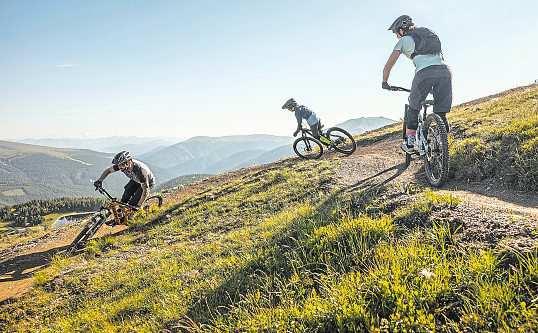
(288, 248)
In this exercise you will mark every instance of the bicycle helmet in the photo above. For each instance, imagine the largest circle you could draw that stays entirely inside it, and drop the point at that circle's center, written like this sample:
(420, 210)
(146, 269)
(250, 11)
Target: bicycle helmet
(402, 22)
(289, 103)
(121, 157)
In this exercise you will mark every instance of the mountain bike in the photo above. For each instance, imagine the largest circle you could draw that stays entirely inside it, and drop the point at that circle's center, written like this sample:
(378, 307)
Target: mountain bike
(334, 138)
(432, 142)
(112, 212)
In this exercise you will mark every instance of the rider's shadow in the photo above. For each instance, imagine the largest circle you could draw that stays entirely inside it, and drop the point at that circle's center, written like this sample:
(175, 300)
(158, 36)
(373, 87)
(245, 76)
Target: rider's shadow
(26, 265)
(377, 181)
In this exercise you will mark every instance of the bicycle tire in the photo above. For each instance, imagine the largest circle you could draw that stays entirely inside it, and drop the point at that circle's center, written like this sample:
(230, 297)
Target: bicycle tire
(86, 233)
(348, 140)
(437, 155)
(308, 142)
(154, 199)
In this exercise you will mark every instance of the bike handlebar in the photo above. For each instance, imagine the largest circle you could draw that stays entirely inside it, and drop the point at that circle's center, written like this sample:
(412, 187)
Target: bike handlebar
(396, 88)
(101, 190)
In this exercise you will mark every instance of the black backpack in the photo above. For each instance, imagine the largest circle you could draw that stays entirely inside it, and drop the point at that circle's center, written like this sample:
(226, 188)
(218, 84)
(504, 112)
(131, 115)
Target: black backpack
(426, 41)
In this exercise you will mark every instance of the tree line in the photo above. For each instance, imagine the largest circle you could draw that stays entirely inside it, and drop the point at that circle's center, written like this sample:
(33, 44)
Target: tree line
(31, 213)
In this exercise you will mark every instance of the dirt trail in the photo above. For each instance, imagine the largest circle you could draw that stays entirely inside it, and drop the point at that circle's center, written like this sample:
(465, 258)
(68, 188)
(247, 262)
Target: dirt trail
(371, 166)
(382, 162)
(19, 264)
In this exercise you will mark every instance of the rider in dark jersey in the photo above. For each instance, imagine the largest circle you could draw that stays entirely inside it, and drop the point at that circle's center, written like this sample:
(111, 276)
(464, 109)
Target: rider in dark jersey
(142, 179)
(302, 112)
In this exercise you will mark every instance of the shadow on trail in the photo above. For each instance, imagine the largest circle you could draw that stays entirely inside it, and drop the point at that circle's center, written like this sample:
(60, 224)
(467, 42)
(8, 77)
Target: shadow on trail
(24, 266)
(378, 180)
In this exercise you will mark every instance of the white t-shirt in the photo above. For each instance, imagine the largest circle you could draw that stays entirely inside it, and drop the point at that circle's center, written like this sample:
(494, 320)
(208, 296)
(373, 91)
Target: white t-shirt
(406, 45)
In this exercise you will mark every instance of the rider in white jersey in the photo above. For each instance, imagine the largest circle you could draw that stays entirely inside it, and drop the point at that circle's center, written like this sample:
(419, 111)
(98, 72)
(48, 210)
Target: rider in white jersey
(142, 179)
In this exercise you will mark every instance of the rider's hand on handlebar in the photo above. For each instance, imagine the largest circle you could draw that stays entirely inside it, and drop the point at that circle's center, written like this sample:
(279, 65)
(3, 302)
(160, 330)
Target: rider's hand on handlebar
(385, 85)
(295, 133)
(97, 184)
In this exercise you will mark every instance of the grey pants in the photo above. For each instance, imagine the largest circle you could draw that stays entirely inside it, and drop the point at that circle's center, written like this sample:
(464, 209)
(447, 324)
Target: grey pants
(433, 79)
(316, 129)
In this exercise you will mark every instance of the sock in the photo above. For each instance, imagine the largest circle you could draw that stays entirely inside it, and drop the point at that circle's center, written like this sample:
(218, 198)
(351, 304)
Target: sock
(410, 132)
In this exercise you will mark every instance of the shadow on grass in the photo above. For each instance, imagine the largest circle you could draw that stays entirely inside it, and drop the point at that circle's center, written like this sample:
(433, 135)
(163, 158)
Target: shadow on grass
(220, 300)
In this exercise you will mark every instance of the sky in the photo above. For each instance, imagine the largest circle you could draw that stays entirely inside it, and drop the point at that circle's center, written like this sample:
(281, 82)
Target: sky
(87, 69)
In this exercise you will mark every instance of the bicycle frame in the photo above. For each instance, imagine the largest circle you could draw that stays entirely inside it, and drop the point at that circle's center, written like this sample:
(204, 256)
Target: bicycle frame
(322, 138)
(421, 134)
(115, 207)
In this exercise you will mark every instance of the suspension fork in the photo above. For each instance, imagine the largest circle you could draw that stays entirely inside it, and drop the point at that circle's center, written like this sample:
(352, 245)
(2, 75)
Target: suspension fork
(307, 143)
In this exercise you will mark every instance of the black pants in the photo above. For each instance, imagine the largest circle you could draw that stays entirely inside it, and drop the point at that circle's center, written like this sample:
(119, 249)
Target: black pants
(132, 193)
(436, 80)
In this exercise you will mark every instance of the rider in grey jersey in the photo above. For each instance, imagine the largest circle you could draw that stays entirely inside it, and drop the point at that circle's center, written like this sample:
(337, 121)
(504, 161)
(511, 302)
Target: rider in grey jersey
(142, 179)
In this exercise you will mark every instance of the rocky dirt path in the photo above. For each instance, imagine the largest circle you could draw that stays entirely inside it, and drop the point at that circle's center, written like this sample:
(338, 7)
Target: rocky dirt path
(490, 217)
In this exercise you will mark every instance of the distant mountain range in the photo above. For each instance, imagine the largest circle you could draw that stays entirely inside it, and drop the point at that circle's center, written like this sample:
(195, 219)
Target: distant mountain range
(113, 144)
(211, 155)
(364, 124)
(29, 171)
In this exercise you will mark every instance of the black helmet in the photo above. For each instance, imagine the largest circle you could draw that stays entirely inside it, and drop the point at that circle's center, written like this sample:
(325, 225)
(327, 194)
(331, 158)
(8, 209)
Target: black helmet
(402, 22)
(121, 157)
(289, 103)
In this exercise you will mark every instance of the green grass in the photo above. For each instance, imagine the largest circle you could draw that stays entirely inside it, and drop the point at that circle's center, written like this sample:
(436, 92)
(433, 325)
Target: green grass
(272, 251)
(285, 249)
(498, 138)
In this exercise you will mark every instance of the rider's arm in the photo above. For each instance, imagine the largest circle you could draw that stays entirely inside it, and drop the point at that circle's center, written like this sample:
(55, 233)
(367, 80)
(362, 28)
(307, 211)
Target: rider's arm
(390, 63)
(299, 118)
(145, 191)
(108, 171)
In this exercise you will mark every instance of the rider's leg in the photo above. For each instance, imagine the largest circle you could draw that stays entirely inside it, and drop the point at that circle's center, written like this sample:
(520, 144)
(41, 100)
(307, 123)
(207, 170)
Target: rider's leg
(316, 129)
(138, 196)
(442, 93)
(129, 191)
(420, 88)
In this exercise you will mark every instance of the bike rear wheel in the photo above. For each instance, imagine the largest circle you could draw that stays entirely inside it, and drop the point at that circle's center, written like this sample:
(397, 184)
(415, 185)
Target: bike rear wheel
(342, 141)
(153, 202)
(436, 158)
(308, 148)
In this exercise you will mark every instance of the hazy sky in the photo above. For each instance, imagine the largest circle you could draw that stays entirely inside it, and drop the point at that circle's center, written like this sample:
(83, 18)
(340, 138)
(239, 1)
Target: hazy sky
(185, 68)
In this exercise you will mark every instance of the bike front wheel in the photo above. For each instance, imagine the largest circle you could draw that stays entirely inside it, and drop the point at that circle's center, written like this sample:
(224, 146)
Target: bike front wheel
(341, 140)
(308, 148)
(436, 158)
(86, 233)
